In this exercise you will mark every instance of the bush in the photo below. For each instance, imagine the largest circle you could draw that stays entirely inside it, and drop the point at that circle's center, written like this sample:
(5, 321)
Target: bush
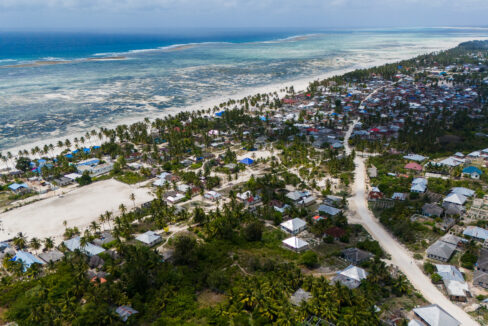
(468, 259)
(85, 179)
(436, 278)
(418, 256)
(254, 231)
(328, 239)
(372, 246)
(309, 259)
(429, 268)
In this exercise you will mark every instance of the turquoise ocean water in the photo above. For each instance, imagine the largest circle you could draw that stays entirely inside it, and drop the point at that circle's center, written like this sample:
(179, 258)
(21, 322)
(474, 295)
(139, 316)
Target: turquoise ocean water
(55, 84)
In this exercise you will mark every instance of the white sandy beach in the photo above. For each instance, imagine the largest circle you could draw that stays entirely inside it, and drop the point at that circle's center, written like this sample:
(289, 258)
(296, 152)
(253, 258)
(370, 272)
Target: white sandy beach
(79, 208)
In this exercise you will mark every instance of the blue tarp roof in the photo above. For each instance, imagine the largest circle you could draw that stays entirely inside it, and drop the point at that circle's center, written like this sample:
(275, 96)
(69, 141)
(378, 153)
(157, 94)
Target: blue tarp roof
(247, 161)
(262, 118)
(219, 114)
(86, 150)
(69, 155)
(27, 259)
(15, 186)
(96, 147)
(472, 169)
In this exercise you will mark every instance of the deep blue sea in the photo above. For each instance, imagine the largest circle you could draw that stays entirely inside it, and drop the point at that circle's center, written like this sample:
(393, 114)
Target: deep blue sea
(56, 84)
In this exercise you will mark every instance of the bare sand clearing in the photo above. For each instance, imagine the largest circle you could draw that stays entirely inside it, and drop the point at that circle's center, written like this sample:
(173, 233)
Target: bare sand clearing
(78, 208)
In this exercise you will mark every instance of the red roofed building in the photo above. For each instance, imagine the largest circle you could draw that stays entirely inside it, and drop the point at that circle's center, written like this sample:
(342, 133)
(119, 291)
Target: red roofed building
(289, 101)
(413, 166)
(374, 130)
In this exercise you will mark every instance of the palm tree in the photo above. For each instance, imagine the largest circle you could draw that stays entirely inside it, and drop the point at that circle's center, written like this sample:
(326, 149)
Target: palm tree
(48, 243)
(84, 241)
(122, 209)
(133, 198)
(102, 220)
(35, 243)
(94, 226)
(20, 241)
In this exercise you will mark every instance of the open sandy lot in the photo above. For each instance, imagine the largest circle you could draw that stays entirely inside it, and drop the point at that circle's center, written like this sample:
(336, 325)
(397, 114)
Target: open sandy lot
(79, 207)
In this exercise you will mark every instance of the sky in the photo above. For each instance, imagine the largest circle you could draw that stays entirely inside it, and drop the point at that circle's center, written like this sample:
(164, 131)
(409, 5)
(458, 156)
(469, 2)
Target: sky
(163, 14)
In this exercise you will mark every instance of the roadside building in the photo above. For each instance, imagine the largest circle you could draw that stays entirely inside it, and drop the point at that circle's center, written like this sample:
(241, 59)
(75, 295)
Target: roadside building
(433, 315)
(63, 181)
(19, 188)
(356, 256)
(329, 210)
(441, 251)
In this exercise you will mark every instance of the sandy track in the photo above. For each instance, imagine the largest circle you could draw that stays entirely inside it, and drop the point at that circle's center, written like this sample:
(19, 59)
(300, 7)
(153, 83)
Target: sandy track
(400, 256)
(79, 208)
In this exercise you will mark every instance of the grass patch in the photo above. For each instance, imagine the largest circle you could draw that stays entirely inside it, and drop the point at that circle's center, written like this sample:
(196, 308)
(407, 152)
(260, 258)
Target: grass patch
(130, 178)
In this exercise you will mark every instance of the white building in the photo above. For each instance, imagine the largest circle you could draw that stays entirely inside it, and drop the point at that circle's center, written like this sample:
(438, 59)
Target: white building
(294, 226)
(351, 276)
(149, 238)
(295, 244)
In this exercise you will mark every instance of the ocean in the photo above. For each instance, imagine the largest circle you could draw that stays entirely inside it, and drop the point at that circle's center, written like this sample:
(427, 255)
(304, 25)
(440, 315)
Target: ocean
(57, 84)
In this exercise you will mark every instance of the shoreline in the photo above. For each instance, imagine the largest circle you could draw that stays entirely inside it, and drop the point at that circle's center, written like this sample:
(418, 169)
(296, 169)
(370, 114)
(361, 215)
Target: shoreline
(298, 84)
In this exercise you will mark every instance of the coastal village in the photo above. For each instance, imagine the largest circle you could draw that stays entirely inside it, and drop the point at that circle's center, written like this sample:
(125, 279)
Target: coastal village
(270, 183)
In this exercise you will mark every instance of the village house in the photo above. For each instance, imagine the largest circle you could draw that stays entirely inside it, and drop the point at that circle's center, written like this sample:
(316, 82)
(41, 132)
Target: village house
(473, 172)
(433, 315)
(212, 195)
(27, 259)
(89, 249)
(375, 194)
(294, 226)
(419, 185)
(295, 244)
(51, 256)
(476, 233)
(456, 287)
(149, 238)
(356, 256)
(432, 210)
(351, 276)
(329, 210)
(441, 251)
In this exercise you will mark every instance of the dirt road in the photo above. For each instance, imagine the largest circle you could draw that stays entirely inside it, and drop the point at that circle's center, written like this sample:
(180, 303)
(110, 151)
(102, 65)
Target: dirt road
(400, 256)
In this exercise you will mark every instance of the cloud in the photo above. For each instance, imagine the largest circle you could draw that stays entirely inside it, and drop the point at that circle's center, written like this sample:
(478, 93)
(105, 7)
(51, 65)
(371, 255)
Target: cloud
(229, 13)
